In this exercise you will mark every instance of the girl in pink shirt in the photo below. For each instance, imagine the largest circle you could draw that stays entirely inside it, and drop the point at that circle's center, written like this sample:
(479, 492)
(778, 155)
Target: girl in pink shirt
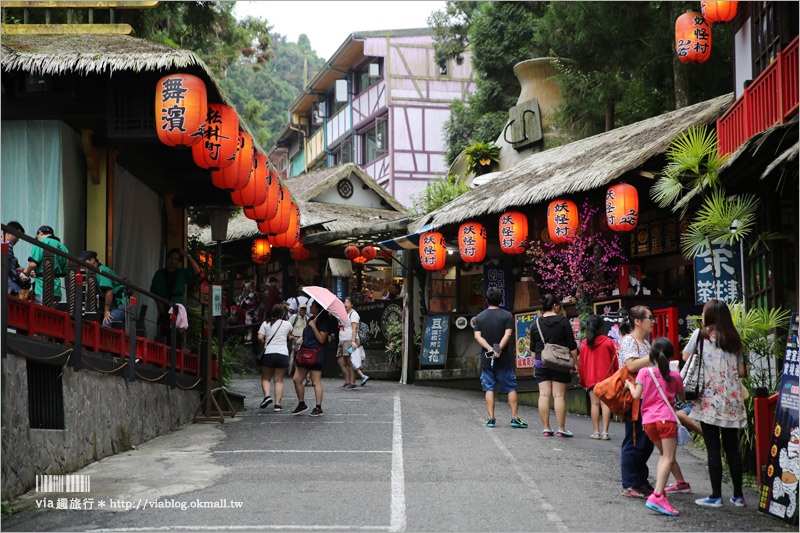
(658, 417)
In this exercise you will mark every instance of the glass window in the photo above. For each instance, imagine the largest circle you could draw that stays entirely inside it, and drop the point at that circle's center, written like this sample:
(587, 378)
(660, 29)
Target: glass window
(344, 153)
(375, 142)
(369, 74)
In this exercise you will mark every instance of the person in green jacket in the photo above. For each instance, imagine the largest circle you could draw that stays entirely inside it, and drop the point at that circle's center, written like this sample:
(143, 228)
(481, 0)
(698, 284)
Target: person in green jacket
(36, 265)
(171, 282)
(113, 291)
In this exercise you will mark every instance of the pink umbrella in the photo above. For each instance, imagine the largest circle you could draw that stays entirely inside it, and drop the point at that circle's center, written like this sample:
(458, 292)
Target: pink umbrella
(328, 301)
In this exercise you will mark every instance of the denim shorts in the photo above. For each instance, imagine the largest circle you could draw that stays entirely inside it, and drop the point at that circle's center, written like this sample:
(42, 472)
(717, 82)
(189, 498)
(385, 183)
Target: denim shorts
(503, 380)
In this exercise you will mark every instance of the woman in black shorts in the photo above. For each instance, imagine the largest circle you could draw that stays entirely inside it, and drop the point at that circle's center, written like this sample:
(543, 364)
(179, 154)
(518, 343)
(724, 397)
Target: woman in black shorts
(315, 337)
(274, 358)
(556, 330)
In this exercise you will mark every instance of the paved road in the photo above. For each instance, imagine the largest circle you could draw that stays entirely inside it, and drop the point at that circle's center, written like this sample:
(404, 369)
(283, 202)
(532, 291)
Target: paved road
(385, 457)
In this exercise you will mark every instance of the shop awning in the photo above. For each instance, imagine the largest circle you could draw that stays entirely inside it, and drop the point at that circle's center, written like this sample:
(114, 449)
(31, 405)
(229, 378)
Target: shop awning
(407, 242)
(340, 268)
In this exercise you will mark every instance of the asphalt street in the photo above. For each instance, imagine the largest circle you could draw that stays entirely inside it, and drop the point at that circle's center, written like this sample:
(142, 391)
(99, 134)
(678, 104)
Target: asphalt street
(385, 457)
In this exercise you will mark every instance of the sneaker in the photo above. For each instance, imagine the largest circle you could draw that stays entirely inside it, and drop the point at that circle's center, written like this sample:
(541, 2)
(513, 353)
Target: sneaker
(518, 423)
(660, 503)
(490, 422)
(632, 492)
(709, 502)
(345, 385)
(301, 408)
(364, 380)
(738, 501)
(547, 433)
(678, 487)
(277, 408)
(265, 402)
(564, 434)
(317, 411)
(350, 386)
(647, 489)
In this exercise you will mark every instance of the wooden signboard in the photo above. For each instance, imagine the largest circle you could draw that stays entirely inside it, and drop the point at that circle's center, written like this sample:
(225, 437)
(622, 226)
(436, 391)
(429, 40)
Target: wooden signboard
(435, 340)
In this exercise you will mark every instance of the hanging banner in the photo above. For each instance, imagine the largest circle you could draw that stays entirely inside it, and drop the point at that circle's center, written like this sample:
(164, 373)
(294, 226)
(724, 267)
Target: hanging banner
(779, 488)
(338, 287)
(495, 276)
(434, 340)
(725, 266)
(397, 270)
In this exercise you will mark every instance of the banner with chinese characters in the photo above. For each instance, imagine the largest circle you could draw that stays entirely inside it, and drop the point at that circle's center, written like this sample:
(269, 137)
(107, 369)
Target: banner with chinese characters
(434, 340)
(779, 487)
(496, 276)
(399, 271)
(339, 284)
(523, 322)
(725, 266)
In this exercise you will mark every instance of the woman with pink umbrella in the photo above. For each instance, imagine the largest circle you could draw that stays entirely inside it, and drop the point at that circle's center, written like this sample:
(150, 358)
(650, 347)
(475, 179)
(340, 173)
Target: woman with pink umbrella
(311, 357)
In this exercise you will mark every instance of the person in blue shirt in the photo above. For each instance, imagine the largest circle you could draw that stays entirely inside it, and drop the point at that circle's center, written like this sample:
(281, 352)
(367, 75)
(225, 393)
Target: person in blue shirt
(315, 337)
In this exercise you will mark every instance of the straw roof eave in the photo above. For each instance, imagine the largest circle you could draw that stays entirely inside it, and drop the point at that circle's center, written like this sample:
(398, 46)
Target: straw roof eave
(576, 167)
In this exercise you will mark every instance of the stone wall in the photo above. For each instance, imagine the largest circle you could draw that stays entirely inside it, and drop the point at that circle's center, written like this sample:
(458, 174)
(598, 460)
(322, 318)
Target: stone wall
(103, 415)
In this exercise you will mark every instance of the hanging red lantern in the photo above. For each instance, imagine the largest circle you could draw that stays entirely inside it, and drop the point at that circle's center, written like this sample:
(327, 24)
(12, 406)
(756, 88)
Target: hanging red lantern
(268, 209)
(622, 207)
(513, 232)
(351, 252)
(236, 176)
(432, 251)
(472, 242)
(562, 220)
(369, 252)
(692, 38)
(255, 192)
(220, 138)
(360, 260)
(280, 222)
(299, 252)
(181, 108)
(718, 11)
(205, 258)
(291, 236)
(261, 251)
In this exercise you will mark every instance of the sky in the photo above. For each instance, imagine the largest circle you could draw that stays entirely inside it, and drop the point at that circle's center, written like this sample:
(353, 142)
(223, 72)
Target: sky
(328, 24)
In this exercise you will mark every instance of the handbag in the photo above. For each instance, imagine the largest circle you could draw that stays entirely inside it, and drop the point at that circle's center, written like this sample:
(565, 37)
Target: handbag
(692, 373)
(307, 357)
(554, 356)
(683, 434)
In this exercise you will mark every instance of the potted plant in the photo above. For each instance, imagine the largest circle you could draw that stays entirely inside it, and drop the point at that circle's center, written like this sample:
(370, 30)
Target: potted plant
(481, 157)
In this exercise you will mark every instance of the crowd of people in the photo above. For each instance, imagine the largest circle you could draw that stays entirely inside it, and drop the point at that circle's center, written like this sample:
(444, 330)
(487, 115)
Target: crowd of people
(718, 408)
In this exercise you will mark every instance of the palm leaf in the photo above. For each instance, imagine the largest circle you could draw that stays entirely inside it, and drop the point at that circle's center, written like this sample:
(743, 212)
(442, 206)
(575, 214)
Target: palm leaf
(694, 242)
(762, 238)
(667, 190)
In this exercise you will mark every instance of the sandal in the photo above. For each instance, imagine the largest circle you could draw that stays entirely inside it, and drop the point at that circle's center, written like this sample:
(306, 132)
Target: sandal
(547, 432)
(605, 436)
(631, 492)
(595, 435)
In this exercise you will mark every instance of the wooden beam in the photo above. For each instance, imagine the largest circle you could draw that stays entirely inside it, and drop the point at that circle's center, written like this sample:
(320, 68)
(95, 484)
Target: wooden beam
(65, 29)
(78, 4)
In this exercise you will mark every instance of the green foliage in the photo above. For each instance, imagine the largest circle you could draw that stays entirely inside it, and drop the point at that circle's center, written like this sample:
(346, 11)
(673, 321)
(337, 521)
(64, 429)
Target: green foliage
(465, 127)
(394, 342)
(481, 157)
(438, 192)
(7, 509)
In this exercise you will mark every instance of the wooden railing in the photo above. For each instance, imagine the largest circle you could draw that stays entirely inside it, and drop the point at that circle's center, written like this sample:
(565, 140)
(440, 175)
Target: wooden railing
(771, 99)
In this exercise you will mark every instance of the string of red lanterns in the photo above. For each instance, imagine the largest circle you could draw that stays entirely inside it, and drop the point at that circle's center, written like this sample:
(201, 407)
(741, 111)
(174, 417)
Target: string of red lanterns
(562, 220)
(432, 250)
(513, 232)
(472, 242)
(236, 176)
(255, 192)
(692, 38)
(291, 236)
(261, 251)
(718, 11)
(220, 138)
(181, 107)
(298, 252)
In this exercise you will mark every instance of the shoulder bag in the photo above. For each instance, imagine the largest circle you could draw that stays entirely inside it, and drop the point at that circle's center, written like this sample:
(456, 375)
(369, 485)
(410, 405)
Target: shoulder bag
(692, 373)
(307, 357)
(554, 356)
(683, 433)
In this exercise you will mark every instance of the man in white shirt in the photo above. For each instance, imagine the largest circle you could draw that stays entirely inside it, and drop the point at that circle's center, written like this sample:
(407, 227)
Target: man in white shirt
(298, 321)
(295, 301)
(348, 342)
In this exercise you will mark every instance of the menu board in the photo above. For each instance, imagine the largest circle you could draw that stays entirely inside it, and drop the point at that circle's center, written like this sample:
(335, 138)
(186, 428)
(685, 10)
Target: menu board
(656, 238)
(434, 340)
(523, 322)
(670, 235)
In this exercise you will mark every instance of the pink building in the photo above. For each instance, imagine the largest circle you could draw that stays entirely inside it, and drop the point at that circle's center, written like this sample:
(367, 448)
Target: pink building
(381, 102)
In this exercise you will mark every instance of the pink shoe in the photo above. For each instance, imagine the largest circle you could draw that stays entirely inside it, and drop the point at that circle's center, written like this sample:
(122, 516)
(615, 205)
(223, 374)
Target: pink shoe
(678, 487)
(660, 503)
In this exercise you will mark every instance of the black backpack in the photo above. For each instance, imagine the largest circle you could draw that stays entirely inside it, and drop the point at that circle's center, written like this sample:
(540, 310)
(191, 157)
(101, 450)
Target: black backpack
(363, 333)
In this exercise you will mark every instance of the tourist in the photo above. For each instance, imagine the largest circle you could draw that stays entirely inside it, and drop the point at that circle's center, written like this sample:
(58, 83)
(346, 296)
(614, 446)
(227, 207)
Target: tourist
(35, 264)
(299, 321)
(315, 338)
(274, 334)
(348, 342)
(598, 361)
(171, 283)
(113, 291)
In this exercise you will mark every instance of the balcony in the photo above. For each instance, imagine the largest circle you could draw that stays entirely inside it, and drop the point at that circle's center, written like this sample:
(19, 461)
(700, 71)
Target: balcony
(770, 100)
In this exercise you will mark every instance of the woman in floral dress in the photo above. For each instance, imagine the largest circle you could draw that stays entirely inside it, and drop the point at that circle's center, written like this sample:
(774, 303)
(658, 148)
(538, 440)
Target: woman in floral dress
(720, 406)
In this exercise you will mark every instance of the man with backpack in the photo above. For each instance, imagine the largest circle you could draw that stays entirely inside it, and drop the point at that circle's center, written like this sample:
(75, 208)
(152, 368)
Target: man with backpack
(299, 321)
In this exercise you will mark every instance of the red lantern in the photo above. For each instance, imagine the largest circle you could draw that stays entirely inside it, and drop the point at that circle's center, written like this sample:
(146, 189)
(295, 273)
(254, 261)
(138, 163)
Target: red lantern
(513, 232)
(236, 176)
(261, 251)
(432, 251)
(622, 207)
(718, 11)
(291, 236)
(369, 253)
(280, 222)
(181, 108)
(351, 252)
(220, 138)
(299, 252)
(360, 260)
(472, 242)
(205, 258)
(268, 209)
(692, 38)
(562, 220)
(255, 192)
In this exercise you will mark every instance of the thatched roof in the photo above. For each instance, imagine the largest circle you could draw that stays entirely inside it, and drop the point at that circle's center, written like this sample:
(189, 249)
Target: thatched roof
(318, 215)
(575, 167)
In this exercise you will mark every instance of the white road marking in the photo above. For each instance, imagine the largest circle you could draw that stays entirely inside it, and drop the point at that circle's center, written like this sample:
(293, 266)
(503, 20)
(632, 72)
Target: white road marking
(398, 522)
(305, 451)
(251, 528)
(538, 496)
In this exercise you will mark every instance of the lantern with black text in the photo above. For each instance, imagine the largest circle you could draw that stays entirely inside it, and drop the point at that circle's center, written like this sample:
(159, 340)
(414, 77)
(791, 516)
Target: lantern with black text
(351, 252)
(261, 251)
(280, 222)
(472, 242)
(718, 11)
(237, 175)
(562, 220)
(692, 38)
(268, 209)
(299, 252)
(255, 192)
(291, 236)
(181, 108)
(220, 138)
(622, 207)
(513, 232)
(432, 250)
(369, 253)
